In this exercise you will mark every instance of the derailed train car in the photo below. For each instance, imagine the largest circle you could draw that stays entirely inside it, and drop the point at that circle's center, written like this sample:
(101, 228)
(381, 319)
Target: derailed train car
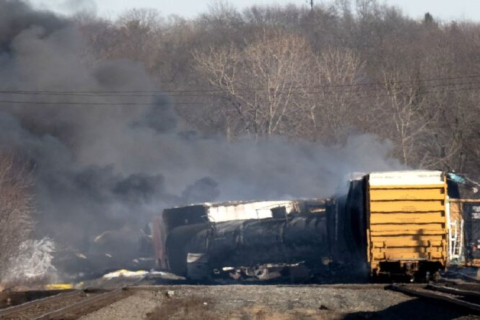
(391, 224)
(250, 248)
(399, 223)
(216, 237)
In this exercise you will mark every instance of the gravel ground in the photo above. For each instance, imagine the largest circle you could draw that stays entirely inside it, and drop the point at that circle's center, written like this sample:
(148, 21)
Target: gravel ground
(133, 307)
(274, 302)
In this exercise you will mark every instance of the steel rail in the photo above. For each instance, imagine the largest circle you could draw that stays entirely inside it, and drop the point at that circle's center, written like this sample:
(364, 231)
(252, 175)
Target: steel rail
(462, 277)
(435, 296)
(468, 277)
(460, 292)
(27, 305)
(101, 298)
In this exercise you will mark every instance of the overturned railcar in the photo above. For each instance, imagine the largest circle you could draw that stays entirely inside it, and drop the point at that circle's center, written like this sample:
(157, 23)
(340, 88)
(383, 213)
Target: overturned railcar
(249, 248)
(248, 239)
(393, 224)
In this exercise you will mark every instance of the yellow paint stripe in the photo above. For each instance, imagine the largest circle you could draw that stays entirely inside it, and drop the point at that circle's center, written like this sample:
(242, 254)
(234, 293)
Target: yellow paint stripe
(407, 206)
(412, 233)
(439, 226)
(407, 194)
(406, 244)
(393, 237)
(406, 218)
(408, 255)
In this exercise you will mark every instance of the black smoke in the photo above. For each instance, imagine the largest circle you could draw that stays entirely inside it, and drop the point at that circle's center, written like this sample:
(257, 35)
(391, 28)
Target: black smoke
(104, 161)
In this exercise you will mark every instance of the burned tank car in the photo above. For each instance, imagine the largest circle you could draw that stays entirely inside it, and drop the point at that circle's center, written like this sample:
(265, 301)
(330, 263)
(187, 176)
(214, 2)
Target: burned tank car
(246, 248)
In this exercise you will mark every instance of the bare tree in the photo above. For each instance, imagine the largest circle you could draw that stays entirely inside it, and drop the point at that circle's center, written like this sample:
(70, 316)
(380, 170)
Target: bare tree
(334, 105)
(15, 210)
(260, 81)
(308, 74)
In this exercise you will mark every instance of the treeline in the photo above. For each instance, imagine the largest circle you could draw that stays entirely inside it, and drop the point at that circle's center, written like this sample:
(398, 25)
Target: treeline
(320, 74)
(16, 211)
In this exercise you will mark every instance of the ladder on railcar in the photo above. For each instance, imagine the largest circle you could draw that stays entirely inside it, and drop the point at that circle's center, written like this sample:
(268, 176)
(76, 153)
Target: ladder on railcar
(456, 240)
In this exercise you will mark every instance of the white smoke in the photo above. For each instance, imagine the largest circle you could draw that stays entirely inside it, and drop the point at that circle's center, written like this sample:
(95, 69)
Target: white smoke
(33, 263)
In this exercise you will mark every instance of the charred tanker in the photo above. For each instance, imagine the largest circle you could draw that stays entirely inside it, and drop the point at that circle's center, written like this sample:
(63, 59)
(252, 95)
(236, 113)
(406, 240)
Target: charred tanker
(255, 248)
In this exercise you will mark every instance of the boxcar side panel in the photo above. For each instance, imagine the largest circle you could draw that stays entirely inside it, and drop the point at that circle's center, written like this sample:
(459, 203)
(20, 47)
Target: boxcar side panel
(407, 219)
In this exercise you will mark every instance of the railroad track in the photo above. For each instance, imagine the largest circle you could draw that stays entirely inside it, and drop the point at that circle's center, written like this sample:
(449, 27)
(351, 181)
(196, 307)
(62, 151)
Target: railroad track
(71, 305)
(465, 299)
(465, 277)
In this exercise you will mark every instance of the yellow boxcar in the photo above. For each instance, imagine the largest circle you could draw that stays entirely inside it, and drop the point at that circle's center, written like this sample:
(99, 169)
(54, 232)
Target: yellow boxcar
(407, 230)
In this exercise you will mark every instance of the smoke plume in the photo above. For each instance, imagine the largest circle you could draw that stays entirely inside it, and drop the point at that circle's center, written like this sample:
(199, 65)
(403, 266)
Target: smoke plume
(103, 161)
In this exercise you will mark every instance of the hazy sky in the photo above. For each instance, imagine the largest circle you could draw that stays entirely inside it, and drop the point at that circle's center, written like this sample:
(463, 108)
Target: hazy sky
(445, 9)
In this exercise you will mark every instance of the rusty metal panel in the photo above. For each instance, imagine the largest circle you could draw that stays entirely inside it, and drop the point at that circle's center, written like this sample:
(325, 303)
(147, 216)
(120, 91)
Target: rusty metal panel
(407, 256)
(406, 244)
(456, 211)
(406, 217)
